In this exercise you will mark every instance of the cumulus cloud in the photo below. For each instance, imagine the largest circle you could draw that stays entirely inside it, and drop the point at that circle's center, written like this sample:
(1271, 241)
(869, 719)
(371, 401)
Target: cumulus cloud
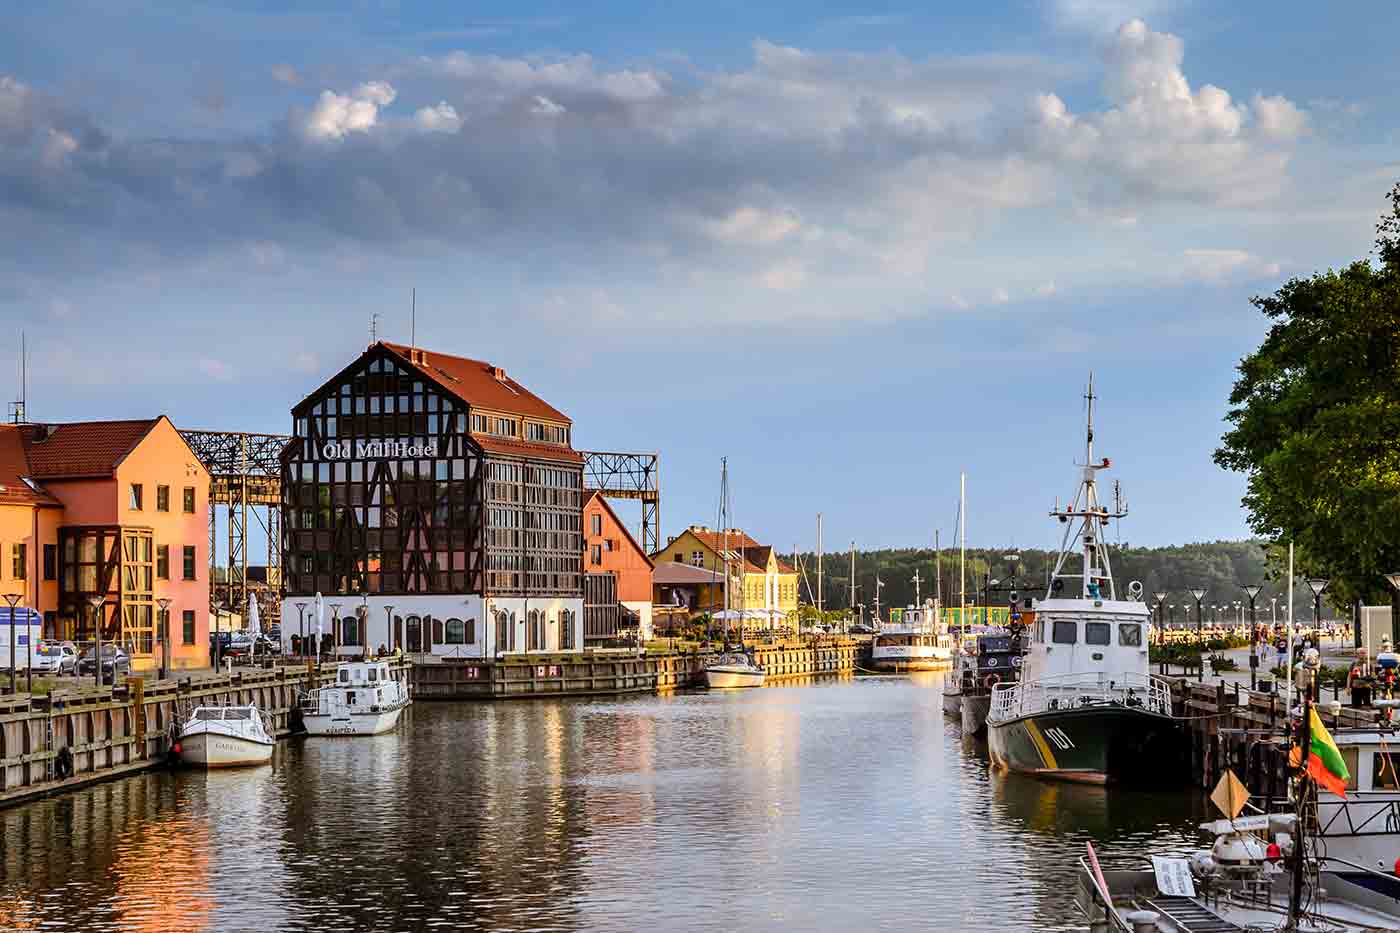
(1279, 118)
(441, 118)
(335, 115)
(1218, 266)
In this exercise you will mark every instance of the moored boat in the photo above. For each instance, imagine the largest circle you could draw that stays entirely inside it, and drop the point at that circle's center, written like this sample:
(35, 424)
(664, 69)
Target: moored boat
(917, 642)
(1085, 707)
(365, 699)
(226, 737)
(734, 668)
(995, 659)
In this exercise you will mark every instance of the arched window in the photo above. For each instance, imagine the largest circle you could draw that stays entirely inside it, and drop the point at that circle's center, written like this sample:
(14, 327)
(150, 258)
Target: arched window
(456, 632)
(502, 626)
(437, 634)
(415, 634)
(349, 631)
(532, 631)
(510, 628)
(471, 632)
(566, 630)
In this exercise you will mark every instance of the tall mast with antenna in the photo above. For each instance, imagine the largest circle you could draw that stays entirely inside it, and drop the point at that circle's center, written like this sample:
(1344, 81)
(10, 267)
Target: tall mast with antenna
(820, 601)
(413, 318)
(962, 558)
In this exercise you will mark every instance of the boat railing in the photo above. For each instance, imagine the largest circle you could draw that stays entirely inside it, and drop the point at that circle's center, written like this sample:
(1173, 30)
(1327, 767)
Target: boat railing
(1071, 691)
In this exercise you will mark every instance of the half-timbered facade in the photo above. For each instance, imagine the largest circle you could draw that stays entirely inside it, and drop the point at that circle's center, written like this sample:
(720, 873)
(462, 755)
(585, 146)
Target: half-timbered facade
(435, 504)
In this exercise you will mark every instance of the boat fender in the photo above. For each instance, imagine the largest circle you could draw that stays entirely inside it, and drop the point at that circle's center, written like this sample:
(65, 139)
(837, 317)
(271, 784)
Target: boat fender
(991, 680)
(1015, 662)
(63, 763)
(991, 662)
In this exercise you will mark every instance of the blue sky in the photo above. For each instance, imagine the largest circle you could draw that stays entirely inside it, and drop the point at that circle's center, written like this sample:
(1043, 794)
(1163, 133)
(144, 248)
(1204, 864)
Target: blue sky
(853, 247)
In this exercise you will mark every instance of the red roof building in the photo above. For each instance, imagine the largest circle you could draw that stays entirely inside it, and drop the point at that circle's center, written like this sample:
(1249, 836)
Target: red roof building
(617, 584)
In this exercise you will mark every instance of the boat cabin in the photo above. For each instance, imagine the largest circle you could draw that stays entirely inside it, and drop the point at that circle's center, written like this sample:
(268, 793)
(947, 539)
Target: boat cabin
(363, 674)
(1101, 642)
(1372, 757)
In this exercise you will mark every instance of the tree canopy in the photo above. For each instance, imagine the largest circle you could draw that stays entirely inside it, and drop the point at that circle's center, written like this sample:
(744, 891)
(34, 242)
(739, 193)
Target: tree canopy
(1315, 420)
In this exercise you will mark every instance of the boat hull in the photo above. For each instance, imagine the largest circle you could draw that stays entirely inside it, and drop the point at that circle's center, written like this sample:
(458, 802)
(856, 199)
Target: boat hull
(1105, 744)
(366, 723)
(903, 663)
(952, 704)
(720, 678)
(974, 709)
(215, 750)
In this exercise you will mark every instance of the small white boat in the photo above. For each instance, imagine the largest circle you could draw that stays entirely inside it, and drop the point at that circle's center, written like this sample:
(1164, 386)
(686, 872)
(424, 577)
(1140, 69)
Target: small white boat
(918, 642)
(734, 669)
(364, 700)
(226, 737)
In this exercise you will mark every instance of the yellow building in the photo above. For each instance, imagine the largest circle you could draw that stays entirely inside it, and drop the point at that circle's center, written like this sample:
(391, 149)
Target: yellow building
(761, 584)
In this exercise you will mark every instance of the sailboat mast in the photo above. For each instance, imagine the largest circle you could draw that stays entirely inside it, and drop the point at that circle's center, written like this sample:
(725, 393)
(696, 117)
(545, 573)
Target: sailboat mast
(1089, 540)
(853, 581)
(724, 532)
(962, 558)
(820, 603)
(937, 572)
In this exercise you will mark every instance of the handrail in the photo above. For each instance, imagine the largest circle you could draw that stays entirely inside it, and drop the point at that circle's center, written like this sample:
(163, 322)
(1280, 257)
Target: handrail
(1110, 912)
(1016, 699)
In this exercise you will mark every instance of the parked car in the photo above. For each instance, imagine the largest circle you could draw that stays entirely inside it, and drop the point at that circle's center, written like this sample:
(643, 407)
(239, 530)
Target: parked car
(243, 644)
(55, 657)
(115, 662)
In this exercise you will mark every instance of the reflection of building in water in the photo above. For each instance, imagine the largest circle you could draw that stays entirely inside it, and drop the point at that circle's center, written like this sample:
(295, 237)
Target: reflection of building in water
(132, 852)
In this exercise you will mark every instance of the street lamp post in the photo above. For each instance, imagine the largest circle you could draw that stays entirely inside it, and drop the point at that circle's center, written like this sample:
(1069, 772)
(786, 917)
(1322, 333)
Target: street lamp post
(301, 630)
(13, 599)
(164, 603)
(335, 630)
(1171, 616)
(1252, 590)
(1317, 585)
(1161, 598)
(1199, 593)
(97, 603)
(389, 626)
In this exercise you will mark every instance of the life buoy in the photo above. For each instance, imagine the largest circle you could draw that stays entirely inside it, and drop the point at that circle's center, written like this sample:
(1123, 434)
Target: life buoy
(1016, 662)
(63, 763)
(990, 681)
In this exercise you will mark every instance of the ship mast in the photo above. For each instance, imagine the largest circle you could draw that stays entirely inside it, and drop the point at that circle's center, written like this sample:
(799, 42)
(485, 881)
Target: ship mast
(1088, 517)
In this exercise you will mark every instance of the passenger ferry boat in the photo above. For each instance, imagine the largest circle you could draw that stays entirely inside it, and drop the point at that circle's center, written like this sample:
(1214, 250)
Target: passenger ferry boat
(1085, 707)
(226, 737)
(365, 699)
(918, 642)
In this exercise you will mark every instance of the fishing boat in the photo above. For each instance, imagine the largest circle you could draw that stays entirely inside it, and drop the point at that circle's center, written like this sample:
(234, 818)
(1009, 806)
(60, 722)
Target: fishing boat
(917, 642)
(1085, 707)
(365, 699)
(226, 737)
(734, 666)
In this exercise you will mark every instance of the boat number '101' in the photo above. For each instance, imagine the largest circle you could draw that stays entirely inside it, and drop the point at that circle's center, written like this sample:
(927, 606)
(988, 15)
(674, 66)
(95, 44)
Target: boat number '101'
(1057, 735)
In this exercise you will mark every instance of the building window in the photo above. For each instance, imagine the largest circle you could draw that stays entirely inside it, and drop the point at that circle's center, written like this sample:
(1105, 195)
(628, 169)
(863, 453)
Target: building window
(596, 524)
(162, 562)
(502, 621)
(350, 629)
(19, 567)
(189, 500)
(162, 498)
(189, 562)
(596, 554)
(51, 562)
(471, 631)
(136, 496)
(456, 632)
(566, 630)
(187, 618)
(697, 559)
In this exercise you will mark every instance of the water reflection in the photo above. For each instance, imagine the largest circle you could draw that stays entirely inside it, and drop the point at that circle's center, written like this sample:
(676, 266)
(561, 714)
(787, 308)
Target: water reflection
(838, 805)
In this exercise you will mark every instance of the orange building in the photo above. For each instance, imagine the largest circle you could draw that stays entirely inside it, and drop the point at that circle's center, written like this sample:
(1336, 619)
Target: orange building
(611, 551)
(118, 509)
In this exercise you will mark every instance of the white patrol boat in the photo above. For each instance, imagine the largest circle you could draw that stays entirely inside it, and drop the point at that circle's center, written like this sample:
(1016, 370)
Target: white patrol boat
(919, 641)
(1086, 708)
(365, 699)
(226, 737)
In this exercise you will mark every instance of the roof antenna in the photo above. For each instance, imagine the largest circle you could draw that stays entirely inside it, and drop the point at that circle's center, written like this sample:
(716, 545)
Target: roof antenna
(413, 319)
(17, 407)
(373, 329)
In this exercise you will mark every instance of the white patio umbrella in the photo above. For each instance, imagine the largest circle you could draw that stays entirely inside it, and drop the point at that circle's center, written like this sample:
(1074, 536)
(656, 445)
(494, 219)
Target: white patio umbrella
(254, 623)
(320, 612)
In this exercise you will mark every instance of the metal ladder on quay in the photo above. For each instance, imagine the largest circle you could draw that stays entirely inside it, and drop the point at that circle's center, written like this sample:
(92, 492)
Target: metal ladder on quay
(1192, 917)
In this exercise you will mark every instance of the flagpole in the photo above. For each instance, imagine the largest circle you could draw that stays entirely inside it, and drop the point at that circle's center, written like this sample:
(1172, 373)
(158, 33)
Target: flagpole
(1288, 671)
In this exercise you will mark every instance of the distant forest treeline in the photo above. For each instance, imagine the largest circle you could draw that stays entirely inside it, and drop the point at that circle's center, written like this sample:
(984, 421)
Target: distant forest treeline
(1220, 567)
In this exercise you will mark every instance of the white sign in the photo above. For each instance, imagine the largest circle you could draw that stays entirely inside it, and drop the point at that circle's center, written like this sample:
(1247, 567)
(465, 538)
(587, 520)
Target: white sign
(1173, 876)
(377, 450)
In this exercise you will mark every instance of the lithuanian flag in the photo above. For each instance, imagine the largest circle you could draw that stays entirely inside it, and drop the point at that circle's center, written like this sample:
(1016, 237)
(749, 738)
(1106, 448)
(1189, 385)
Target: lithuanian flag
(1325, 764)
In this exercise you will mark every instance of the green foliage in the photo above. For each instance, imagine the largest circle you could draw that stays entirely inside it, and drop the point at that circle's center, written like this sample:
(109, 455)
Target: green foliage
(1315, 421)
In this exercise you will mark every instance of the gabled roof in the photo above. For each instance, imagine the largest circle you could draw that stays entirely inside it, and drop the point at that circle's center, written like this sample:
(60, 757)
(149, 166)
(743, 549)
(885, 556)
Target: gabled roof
(593, 494)
(507, 447)
(82, 449)
(14, 468)
(755, 555)
(476, 382)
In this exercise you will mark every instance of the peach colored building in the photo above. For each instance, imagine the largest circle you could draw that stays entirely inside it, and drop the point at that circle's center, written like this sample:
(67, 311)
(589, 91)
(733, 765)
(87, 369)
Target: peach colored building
(112, 508)
(610, 550)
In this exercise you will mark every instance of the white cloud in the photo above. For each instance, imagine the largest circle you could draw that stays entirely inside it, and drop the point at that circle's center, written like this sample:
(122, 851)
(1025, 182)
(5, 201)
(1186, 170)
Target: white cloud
(216, 370)
(1279, 118)
(543, 106)
(1103, 16)
(58, 147)
(1218, 266)
(442, 118)
(784, 276)
(753, 226)
(335, 115)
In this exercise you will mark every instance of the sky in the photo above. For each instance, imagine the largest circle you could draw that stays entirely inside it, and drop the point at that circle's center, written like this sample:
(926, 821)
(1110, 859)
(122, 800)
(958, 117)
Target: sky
(855, 248)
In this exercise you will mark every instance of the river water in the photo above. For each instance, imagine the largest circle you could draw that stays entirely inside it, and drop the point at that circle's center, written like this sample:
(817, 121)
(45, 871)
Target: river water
(847, 804)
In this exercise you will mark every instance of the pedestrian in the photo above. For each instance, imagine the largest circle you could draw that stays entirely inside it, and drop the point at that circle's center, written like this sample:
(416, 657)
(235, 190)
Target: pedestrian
(1359, 679)
(1281, 646)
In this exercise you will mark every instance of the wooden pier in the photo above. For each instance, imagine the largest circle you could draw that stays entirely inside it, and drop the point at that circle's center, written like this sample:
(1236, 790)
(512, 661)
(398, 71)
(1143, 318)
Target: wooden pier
(1242, 730)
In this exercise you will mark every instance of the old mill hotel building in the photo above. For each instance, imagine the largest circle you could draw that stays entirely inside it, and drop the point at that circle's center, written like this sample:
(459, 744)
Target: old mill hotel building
(436, 505)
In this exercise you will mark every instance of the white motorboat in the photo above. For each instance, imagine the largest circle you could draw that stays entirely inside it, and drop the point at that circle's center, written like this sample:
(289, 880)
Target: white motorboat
(226, 737)
(918, 642)
(364, 700)
(734, 669)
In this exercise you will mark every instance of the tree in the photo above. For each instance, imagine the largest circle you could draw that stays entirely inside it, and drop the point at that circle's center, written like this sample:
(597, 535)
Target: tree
(1315, 420)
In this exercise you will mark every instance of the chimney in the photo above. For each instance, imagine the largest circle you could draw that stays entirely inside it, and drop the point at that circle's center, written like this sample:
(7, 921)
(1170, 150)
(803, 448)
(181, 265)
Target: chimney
(499, 373)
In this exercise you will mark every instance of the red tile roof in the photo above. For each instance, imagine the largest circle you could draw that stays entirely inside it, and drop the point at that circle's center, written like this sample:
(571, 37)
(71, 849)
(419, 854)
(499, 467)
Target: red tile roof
(508, 447)
(81, 449)
(477, 383)
(13, 468)
(755, 555)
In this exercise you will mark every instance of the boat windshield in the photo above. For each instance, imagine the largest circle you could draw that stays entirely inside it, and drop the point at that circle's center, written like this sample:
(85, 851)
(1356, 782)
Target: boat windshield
(212, 713)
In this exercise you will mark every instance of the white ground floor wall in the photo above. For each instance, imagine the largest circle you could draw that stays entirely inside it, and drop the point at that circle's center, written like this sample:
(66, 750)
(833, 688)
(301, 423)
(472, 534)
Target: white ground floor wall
(643, 610)
(448, 626)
